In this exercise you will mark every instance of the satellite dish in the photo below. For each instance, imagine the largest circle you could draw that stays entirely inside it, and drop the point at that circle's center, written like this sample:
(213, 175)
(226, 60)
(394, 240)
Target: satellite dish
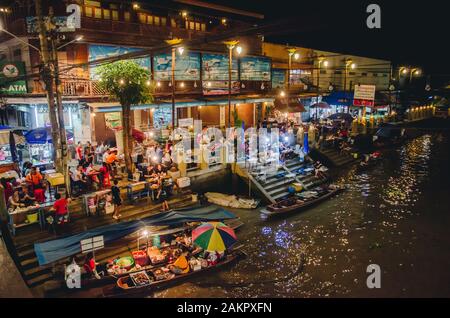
(330, 88)
(428, 87)
(391, 87)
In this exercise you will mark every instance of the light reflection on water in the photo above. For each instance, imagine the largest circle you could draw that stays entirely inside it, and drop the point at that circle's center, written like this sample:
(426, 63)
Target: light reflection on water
(373, 221)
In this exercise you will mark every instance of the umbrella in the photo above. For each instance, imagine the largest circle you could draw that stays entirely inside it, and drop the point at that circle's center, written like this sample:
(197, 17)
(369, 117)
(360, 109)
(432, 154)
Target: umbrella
(305, 143)
(138, 135)
(42, 135)
(322, 105)
(341, 116)
(214, 236)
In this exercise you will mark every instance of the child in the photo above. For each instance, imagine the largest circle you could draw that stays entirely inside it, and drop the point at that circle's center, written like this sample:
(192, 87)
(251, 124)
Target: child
(117, 200)
(61, 210)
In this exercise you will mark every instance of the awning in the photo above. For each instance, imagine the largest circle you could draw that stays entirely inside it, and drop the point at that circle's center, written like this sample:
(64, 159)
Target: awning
(289, 105)
(33, 101)
(54, 250)
(210, 101)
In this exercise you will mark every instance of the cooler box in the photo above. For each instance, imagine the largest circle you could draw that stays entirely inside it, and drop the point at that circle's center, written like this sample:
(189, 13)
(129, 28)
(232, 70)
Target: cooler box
(183, 182)
(141, 258)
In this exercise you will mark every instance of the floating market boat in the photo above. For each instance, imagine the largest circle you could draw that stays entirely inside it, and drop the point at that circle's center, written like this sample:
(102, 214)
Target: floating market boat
(302, 200)
(153, 279)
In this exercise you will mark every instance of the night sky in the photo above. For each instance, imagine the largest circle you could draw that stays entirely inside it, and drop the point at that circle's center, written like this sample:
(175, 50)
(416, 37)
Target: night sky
(412, 32)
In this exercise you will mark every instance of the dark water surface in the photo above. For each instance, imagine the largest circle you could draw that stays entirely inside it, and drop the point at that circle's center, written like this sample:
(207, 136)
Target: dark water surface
(396, 215)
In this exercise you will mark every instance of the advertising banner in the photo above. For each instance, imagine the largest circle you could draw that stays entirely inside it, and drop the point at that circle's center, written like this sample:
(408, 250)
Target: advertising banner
(364, 95)
(9, 71)
(255, 68)
(215, 67)
(187, 67)
(113, 120)
(278, 78)
(97, 52)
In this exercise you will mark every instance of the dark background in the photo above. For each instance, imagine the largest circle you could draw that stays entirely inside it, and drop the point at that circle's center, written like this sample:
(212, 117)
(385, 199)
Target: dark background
(412, 32)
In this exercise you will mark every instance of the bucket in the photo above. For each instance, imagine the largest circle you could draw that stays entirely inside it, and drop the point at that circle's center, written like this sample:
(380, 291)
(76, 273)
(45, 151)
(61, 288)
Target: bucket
(32, 218)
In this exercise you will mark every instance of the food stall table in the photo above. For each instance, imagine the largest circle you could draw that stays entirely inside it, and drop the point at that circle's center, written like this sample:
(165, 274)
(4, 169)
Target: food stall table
(17, 217)
(137, 190)
(91, 201)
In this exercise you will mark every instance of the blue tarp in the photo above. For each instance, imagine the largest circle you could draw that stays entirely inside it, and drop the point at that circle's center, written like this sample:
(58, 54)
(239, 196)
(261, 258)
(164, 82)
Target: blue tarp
(339, 98)
(54, 250)
(42, 136)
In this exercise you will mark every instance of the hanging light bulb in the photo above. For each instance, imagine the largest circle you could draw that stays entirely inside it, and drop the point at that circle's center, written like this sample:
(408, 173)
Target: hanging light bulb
(180, 50)
(239, 49)
(158, 84)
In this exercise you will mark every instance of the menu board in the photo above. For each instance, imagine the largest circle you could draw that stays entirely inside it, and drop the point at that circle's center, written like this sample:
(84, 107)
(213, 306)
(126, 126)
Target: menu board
(187, 67)
(215, 67)
(255, 68)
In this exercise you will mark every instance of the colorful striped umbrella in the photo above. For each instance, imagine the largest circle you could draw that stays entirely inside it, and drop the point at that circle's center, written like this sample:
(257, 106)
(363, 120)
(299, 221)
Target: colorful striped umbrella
(214, 236)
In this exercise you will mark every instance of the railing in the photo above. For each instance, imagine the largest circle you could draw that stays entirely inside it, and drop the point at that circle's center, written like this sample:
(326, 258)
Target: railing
(81, 87)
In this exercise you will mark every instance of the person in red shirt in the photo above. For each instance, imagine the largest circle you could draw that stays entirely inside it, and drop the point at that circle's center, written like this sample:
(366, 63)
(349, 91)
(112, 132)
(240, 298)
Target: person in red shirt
(90, 266)
(61, 210)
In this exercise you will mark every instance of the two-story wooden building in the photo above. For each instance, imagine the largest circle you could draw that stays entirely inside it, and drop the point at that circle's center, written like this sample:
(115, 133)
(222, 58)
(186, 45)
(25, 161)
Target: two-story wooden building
(110, 28)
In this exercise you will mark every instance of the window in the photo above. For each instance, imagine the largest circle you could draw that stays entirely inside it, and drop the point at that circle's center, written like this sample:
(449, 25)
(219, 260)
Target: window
(163, 21)
(98, 13)
(197, 26)
(127, 16)
(375, 74)
(192, 25)
(142, 18)
(157, 20)
(115, 15)
(173, 23)
(337, 72)
(106, 14)
(363, 74)
(351, 73)
(88, 11)
(203, 27)
(150, 19)
(323, 72)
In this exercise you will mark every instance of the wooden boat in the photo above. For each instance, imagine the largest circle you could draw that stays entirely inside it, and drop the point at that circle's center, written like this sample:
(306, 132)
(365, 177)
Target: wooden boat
(147, 280)
(295, 204)
(108, 278)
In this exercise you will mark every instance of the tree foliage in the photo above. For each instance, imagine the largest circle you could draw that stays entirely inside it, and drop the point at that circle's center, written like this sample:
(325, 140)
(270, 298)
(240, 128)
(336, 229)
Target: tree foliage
(127, 81)
(130, 84)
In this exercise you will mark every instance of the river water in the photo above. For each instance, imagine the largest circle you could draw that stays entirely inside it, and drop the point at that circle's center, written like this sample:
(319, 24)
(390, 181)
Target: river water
(395, 215)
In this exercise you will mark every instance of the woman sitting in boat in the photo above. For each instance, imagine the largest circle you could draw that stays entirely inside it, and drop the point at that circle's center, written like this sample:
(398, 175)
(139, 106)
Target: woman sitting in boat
(90, 266)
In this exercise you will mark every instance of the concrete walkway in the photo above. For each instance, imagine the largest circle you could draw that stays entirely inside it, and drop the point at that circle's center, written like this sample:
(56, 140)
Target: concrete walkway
(11, 282)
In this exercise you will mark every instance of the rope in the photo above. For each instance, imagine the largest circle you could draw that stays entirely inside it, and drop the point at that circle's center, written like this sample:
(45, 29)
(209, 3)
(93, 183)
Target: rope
(299, 269)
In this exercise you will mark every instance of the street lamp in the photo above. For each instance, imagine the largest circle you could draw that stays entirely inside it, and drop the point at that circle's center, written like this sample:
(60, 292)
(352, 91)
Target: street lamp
(414, 71)
(175, 43)
(348, 64)
(231, 45)
(19, 39)
(321, 60)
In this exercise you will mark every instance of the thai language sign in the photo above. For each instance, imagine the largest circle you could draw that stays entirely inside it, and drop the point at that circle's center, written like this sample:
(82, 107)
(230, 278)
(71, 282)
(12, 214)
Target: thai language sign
(364, 95)
(8, 72)
(187, 67)
(255, 68)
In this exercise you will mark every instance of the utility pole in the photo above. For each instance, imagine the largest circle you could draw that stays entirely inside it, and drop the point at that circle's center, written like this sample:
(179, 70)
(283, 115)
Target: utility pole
(60, 111)
(47, 77)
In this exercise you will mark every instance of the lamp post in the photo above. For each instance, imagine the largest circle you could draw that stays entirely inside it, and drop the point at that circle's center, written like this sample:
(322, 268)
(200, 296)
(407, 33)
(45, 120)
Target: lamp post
(320, 60)
(174, 43)
(348, 63)
(231, 45)
(291, 52)
(414, 71)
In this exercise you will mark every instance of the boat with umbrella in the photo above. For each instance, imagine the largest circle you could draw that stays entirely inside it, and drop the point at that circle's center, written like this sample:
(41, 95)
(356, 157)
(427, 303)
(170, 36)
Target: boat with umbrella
(215, 238)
